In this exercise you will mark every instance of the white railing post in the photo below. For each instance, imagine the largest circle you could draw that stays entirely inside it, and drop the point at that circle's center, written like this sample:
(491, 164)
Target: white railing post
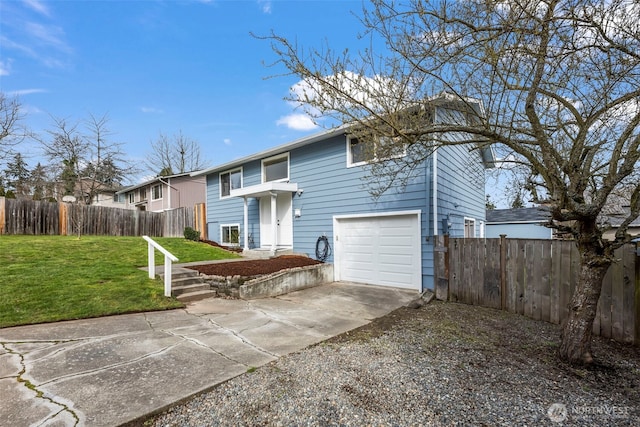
(167, 276)
(168, 263)
(151, 261)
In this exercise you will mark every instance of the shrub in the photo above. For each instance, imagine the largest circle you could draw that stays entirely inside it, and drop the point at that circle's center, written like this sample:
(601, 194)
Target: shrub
(191, 234)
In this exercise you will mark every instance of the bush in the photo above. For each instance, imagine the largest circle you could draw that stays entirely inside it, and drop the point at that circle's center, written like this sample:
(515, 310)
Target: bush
(191, 234)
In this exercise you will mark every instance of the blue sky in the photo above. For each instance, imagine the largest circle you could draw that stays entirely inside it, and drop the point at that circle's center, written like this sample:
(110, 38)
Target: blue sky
(165, 66)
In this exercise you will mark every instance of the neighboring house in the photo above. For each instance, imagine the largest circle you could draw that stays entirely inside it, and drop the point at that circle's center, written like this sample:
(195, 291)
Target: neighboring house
(529, 223)
(100, 194)
(165, 192)
(614, 220)
(519, 223)
(293, 196)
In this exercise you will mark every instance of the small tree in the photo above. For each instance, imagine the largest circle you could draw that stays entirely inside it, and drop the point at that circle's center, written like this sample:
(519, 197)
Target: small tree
(560, 86)
(174, 155)
(86, 159)
(12, 132)
(17, 176)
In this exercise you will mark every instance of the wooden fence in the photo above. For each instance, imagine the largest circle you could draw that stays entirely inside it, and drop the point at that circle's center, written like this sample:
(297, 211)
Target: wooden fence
(536, 278)
(19, 216)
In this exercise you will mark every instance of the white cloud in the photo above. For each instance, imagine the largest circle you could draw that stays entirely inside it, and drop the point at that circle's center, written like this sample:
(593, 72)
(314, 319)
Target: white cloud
(5, 67)
(265, 5)
(227, 141)
(48, 35)
(151, 110)
(22, 92)
(297, 121)
(38, 6)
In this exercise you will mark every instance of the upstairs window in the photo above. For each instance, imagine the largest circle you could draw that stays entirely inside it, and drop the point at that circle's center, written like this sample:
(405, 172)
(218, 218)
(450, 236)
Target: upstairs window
(143, 194)
(359, 153)
(276, 168)
(231, 180)
(132, 197)
(156, 192)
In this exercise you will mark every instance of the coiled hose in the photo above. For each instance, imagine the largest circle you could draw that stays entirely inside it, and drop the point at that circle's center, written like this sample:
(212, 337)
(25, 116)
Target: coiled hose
(323, 249)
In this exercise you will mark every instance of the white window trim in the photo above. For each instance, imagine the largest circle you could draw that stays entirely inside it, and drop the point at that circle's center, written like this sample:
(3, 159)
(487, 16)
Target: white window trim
(351, 164)
(229, 172)
(222, 242)
(132, 197)
(161, 190)
(464, 226)
(277, 157)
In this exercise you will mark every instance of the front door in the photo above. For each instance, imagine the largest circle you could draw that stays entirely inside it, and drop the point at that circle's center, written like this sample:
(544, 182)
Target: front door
(284, 234)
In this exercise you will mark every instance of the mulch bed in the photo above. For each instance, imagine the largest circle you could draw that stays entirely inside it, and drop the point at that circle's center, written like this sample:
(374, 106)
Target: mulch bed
(255, 267)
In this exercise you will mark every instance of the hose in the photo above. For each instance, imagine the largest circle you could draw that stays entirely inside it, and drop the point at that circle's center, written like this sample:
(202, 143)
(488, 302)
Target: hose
(323, 249)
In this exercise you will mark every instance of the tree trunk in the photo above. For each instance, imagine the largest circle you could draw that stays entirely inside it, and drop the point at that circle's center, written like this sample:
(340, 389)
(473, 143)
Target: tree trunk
(577, 329)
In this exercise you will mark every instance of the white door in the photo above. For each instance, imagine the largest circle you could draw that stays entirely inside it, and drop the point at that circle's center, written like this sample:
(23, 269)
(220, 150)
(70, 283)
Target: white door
(379, 250)
(284, 236)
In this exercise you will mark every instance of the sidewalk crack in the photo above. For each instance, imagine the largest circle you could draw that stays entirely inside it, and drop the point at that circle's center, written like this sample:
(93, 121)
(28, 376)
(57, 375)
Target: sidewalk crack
(20, 378)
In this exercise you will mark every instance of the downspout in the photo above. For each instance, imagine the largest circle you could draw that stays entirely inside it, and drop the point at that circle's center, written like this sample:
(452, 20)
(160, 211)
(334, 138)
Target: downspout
(434, 163)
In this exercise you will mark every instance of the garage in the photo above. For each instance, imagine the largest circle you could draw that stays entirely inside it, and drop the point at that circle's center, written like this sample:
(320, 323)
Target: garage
(379, 249)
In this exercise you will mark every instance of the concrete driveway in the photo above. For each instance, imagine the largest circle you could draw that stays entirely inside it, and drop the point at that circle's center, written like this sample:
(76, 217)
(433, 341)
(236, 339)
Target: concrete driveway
(111, 370)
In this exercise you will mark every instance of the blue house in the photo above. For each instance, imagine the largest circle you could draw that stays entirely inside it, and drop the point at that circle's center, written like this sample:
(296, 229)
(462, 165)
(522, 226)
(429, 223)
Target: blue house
(519, 223)
(311, 192)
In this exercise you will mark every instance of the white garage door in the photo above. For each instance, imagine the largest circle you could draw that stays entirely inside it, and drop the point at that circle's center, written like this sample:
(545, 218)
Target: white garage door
(379, 250)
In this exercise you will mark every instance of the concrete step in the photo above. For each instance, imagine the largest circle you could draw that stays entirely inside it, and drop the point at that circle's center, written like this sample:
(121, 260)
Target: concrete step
(264, 253)
(197, 295)
(180, 273)
(184, 281)
(179, 290)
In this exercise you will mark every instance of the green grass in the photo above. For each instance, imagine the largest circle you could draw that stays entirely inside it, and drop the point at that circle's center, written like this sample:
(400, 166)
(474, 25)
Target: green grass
(51, 278)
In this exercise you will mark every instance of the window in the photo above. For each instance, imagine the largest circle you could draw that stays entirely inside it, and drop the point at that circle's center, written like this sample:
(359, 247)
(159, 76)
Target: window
(276, 168)
(356, 153)
(118, 198)
(132, 197)
(230, 234)
(156, 192)
(230, 180)
(469, 227)
(359, 153)
(143, 194)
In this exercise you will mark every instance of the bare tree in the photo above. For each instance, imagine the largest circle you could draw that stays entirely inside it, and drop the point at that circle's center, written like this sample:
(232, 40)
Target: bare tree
(88, 161)
(560, 84)
(12, 132)
(174, 154)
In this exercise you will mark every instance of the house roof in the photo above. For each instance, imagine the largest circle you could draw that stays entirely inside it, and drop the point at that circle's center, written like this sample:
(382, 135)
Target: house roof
(615, 219)
(541, 214)
(152, 181)
(273, 151)
(518, 215)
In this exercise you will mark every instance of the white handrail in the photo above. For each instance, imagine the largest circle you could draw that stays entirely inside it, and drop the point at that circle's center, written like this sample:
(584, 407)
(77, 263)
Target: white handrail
(168, 259)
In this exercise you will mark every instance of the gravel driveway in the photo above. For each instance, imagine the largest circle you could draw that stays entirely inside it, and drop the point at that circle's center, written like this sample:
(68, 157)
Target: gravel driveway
(443, 364)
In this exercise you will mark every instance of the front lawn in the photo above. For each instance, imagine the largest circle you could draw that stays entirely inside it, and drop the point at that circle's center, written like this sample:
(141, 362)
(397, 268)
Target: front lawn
(51, 278)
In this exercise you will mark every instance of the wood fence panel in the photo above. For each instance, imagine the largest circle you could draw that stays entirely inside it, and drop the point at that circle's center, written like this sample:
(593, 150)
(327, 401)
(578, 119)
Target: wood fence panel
(512, 275)
(2, 215)
(492, 273)
(555, 282)
(455, 264)
(544, 294)
(539, 280)
(616, 278)
(441, 274)
(21, 216)
(605, 306)
(630, 309)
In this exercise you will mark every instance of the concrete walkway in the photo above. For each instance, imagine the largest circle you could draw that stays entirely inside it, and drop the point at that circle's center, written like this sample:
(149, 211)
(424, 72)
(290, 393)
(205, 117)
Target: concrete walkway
(111, 370)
